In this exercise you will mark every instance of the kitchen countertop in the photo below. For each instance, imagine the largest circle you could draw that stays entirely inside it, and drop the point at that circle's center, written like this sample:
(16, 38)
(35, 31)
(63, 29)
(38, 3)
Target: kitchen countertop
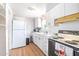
(75, 47)
(41, 33)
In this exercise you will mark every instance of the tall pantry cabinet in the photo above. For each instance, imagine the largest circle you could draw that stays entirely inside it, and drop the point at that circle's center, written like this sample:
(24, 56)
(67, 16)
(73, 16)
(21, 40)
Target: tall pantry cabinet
(2, 31)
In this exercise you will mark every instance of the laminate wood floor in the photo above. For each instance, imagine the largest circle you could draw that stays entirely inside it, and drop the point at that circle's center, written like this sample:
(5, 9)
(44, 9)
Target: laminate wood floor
(29, 50)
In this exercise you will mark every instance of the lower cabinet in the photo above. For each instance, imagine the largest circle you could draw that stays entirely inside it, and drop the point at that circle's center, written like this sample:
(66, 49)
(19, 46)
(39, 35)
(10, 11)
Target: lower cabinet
(68, 51)
(45, 46)
(42, 42)
(63, 50)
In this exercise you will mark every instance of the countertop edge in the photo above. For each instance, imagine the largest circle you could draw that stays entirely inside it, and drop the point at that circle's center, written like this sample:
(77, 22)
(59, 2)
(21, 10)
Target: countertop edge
(67, 44)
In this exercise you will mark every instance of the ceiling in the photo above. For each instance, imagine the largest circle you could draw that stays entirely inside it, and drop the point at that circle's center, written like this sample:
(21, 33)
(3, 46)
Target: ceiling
(31, 9)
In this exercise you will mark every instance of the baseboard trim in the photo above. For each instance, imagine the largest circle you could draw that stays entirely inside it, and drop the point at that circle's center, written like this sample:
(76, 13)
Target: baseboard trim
(17, 47)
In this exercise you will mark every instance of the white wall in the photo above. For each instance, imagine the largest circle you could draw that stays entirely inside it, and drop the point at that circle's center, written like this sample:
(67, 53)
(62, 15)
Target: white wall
(9, 17)
(29, 26)
(70, 26)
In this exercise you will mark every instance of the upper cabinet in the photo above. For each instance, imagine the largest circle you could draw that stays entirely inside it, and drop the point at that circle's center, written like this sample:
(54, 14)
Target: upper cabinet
(71, 13)
(71, 8)
(2, 10)
(68, 18)
(58, 11)
(54, 13)
(2, 31)
(2, 15)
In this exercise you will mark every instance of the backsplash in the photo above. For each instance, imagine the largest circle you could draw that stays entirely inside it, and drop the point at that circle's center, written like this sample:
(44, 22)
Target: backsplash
(69, 32)
(69, 35)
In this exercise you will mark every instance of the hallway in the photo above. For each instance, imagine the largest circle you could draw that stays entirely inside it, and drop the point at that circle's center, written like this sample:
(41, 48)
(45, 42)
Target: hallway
(29, 50)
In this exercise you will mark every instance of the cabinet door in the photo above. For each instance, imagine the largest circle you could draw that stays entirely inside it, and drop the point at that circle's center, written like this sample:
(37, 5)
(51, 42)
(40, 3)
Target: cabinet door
(38, 41)
(58, 11)
(68, 51)
(2, 41)
(41, 44)
(71, 8)
(34, 38)
(45, 45)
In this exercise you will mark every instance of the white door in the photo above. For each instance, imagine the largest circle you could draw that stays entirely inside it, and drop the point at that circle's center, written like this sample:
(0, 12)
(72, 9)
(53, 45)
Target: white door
(19, 39)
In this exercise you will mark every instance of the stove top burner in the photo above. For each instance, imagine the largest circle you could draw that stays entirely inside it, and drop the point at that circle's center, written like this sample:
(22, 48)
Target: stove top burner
(75, 41)
(72, 42)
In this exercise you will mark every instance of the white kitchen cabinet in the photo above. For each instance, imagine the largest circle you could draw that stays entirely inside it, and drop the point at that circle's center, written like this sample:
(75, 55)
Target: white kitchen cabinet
(68, 51)
(2, 32)
(38, 41)
(34, 38)
(2, 11)
(58, 11)
(41, 41)
(71, 8)
(44, 44)
(65, 9)
(45, 48)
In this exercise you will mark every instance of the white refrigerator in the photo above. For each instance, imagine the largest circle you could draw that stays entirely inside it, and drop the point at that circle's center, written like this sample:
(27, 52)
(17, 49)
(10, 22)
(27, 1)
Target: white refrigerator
(19, 38)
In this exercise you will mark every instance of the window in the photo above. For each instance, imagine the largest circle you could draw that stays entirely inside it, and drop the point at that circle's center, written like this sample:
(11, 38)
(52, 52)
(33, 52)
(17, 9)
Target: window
(43, 23)
(39, 22)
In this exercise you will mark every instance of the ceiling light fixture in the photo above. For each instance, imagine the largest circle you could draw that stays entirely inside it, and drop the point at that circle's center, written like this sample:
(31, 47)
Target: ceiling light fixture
(31, 8)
